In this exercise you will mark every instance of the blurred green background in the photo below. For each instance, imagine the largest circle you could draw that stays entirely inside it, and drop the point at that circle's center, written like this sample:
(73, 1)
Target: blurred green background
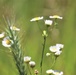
(20, 12)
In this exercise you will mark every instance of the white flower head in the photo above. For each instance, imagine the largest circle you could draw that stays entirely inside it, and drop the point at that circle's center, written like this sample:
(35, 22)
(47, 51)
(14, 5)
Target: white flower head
(48, 22)
(47, 54)
(7, 42)
(58, 53)
(54, 48)
(14, 28)
(56, 17)
(36, 18)
(32, 64)
(49, 71)
(27, 59)
(60, 45)
(2, 35)
(55, 72)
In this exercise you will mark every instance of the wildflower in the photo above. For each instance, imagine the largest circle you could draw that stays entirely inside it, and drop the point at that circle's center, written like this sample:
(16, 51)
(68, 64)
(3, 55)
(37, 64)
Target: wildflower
(2, 35)
(58, 53)
(32, 64)
(49, 71)
(44, 33)
(54, 48)
(56, 17)
(55, 72)
(27, 59)
(7, 42)
(36, 72)
(14, 28)
(47, 54)
(36, 19)
(48, 22)
(60, 45)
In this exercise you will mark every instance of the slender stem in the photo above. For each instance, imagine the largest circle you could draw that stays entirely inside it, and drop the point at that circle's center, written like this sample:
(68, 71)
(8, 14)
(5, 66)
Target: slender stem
(29, 69)
(54, 62)
(41, 63)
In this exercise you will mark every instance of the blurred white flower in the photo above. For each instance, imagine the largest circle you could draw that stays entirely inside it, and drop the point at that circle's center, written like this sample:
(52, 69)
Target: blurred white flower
(60, 45)
(14, 28)
(27, 59)
(36, 18)
(32, 64)
(48, 22)
(57, 72)
(49, 72)
(7, 42)
(2, 35)
(56, 16)
(47, 54)
(54, 48)
(58, 53)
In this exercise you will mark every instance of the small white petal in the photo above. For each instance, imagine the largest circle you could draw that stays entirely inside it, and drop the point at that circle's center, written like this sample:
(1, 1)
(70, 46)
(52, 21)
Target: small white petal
(27, 59)
(36, 18)
(49, 71)
(2, 35)
(57, 72)
(56, 16)
(58, 53)
(14, 28)
(48, 22)
(54, 48)
(60, 45)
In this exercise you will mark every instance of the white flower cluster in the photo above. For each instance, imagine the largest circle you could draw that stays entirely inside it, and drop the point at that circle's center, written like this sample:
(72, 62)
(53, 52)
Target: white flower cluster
(27, 59)
(7, 42)
(54, 72)
(47, 22)
(56, 49)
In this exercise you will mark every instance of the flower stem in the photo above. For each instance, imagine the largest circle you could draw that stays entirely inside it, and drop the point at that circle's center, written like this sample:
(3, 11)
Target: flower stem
(53, 62)
(41, 63)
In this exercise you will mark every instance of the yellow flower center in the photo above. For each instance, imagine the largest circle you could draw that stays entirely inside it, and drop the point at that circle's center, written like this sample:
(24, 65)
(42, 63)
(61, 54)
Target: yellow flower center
(56, 16)
(8, 42)
(37, 18)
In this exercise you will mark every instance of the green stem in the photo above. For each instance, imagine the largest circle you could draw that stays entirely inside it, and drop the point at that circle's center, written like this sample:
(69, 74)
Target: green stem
(29, 69)
(41, 63)
(53, 62)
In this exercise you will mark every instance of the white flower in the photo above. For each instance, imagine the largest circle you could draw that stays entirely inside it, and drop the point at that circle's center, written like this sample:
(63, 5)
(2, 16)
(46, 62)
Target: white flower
(48, 22)
(60, 45)
(49, 71)
(2, 35)
(36, 19)
(57, 72)
(7, 42)
(54, 48)
(58, 53)
(56, 16)
(14, 28)
(32, 64)
(47, 54)
(27, 59)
